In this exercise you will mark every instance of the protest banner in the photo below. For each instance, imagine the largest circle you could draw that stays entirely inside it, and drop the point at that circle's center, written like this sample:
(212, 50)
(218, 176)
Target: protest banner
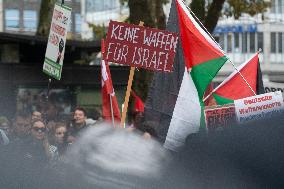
(259, 106)
(273, 86)
(141, 47)
(54, 55)
(219, 117)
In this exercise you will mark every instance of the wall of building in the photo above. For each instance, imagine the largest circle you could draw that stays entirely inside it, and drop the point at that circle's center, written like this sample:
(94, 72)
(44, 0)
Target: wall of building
(241, 38)
(1, 15)
(99, 13)
(23, 16)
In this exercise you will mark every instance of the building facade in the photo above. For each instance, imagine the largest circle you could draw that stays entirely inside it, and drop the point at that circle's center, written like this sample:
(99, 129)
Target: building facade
(99, 13)
(241, 38)
(22, 16)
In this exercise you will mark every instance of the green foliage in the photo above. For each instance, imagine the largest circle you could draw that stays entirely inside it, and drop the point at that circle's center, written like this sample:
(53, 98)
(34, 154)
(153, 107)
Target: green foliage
(99, 31)
(251, 7)
(209, 12)
(123, 1)
(198, 7)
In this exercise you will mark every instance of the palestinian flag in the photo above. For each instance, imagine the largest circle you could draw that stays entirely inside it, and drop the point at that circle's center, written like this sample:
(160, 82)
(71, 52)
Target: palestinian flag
(234, 87)
(182, 91)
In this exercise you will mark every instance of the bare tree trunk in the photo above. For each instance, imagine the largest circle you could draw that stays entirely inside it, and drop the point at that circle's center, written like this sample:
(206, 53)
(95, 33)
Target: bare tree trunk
(45, 15)
(198, 8)
(213, 15)
(210, 19)
(160, 15)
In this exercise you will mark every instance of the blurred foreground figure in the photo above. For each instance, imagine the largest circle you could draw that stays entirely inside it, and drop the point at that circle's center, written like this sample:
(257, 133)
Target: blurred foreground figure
(246, 156)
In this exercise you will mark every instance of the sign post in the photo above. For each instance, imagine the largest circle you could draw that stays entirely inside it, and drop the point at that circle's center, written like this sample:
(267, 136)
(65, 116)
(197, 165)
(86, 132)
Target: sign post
(128, 90)
(54, 55)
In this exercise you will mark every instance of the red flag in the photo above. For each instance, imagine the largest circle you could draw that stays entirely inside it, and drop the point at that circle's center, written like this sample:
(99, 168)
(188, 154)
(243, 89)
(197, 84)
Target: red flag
(138, 103)
(234, 87)
(107, 91)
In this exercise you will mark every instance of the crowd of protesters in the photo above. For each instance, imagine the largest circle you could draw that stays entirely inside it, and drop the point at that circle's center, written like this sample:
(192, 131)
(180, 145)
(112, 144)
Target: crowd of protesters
(41, 140)
(45, 140)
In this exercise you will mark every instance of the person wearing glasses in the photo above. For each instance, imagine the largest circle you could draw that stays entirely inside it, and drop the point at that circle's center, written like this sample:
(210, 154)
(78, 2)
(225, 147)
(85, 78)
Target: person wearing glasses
(38, 147)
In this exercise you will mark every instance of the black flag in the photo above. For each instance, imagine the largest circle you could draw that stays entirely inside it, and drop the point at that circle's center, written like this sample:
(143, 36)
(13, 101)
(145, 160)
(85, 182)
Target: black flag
(165, 87)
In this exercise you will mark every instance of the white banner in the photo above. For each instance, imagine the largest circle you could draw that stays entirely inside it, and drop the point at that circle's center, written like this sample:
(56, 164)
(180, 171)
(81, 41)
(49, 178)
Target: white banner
(273, 86)
(54, 55)
(258, 107)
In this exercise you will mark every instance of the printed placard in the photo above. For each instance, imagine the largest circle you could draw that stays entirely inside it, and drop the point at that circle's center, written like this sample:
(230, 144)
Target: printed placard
(54, 55)
(139, 46)
(219, 117)
(259, 107)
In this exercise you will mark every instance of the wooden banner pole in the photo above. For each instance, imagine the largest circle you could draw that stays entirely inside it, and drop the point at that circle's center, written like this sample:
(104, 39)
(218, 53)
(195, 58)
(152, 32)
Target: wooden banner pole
(127, 95)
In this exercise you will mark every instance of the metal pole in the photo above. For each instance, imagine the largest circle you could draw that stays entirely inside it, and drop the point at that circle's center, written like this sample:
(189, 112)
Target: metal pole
(111, 109)
(48, 88)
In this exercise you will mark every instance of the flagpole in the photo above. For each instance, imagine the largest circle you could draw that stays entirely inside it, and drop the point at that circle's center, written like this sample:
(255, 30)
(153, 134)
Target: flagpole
(128, 90)
(200, 23)
(111, 110)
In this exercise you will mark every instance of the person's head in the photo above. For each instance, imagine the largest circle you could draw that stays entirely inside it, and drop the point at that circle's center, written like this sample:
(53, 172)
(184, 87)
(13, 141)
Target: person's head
(137, 118)
(38, 129)
(36, 115)
(21, 125)
(51, 111)
(80, 116)
(59, 132)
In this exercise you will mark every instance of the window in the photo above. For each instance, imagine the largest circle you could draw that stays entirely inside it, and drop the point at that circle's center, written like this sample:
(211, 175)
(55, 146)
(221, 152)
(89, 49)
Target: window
(244, 42)
(77, 23)
(34, 98)
(99, 5)
(280, 8)
(277, 6)
(222, 41)
(12, 19)
(229, 41)
(237, 42)
(273, 42)
(30, 20)
(260, 40)
(280, 46)
(252, 42)
(273, 6)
